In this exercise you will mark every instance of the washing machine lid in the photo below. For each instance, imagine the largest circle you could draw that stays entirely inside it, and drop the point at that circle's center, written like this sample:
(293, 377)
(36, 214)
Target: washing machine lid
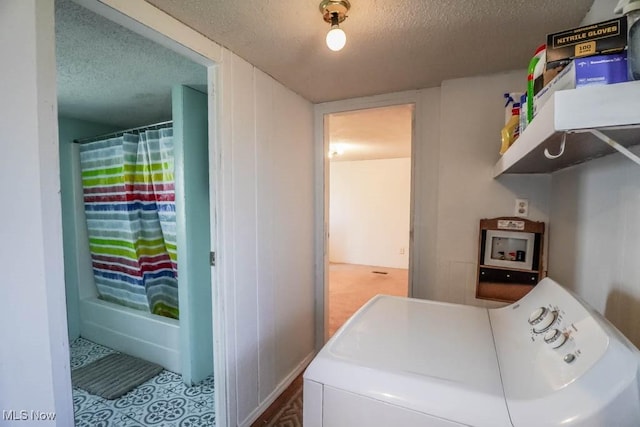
(435, 358)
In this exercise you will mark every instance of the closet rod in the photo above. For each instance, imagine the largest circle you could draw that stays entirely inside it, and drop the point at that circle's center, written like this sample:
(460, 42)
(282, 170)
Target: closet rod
(122, 132)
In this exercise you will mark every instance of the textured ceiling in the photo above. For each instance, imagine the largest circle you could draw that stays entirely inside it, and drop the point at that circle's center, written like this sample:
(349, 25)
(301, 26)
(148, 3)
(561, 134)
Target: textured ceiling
(111, 75)
(377, 133)
(391, 45)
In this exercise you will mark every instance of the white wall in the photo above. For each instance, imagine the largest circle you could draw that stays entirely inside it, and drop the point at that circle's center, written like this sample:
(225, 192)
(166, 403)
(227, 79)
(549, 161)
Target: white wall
(266, 234)
(262, 180)
(423, 260)
(262, 148)
(34, 356)
(601, 10)
(369, 212)
(595, 242)
(471, 117)
(456, 144)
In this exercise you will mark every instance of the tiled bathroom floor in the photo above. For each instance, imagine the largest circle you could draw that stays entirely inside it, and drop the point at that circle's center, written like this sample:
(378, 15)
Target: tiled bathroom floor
(162, 401)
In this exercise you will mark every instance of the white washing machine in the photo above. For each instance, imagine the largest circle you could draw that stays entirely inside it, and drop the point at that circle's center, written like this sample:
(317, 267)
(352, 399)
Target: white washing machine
(546, 360)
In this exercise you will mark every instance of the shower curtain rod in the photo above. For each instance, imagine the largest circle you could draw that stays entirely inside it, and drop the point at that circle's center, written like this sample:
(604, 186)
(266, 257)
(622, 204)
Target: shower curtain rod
(122, 132)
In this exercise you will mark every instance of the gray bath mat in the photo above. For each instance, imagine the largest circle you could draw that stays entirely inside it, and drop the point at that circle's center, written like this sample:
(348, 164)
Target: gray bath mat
(113, 375)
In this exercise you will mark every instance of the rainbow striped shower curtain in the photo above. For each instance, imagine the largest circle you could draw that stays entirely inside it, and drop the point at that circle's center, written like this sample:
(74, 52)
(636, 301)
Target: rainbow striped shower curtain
(129, 201)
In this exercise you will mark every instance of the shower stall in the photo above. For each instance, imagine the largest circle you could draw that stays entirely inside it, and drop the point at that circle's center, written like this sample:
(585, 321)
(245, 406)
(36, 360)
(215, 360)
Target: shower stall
(136, 257)
(129, 204)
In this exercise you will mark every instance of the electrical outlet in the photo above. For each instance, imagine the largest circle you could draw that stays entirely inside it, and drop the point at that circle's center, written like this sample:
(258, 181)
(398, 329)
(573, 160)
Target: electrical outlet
(522, 208)
(401, 251)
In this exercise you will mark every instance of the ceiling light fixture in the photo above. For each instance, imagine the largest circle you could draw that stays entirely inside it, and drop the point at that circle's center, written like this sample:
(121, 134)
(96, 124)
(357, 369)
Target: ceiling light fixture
(334, 12)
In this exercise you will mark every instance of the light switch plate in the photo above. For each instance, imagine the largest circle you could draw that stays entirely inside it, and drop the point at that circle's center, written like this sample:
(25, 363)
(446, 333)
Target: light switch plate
(522, 208)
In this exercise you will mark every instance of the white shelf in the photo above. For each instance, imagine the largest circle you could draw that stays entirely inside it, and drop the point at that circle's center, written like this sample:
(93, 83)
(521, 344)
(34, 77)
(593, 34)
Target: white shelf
(613, 109)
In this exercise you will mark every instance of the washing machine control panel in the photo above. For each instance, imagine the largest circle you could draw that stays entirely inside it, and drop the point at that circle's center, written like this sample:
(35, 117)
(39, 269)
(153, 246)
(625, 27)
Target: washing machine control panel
(551, 325)
(546, 340)
(562, 363)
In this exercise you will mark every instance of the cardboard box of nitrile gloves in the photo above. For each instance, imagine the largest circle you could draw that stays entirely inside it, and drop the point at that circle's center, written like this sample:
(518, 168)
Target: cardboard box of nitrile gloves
(601, 38)
(589, 71)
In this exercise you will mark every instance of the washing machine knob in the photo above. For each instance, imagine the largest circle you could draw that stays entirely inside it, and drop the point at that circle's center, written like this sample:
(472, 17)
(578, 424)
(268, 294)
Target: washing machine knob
(541, 319)
(537, 315)
(555, 338)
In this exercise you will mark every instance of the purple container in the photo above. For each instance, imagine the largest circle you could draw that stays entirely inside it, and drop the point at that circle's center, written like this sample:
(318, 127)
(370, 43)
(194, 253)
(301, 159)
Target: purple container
(601, 69)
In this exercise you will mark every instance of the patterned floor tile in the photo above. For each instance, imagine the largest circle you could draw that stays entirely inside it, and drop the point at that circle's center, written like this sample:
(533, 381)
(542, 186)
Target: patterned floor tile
(82, 400)
(97, 415)
(207, 419)
(135, 403)
(163, 401)
(168, 379)
(168, 412)
(84, 352)
(202, 392)
(124, 421)
(150, 405)
(200, 408)
(80, 342)
(207, 401)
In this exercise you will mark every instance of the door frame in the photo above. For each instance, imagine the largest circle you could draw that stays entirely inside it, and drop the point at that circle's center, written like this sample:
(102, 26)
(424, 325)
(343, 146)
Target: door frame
(321, 141)
(150, 22)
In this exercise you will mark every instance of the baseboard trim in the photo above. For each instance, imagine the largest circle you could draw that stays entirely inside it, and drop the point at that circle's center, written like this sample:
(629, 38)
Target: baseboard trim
(255, 414)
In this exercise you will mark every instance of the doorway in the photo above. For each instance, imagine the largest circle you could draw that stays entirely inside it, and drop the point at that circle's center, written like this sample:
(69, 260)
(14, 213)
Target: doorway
(369, 199)
(113, 82)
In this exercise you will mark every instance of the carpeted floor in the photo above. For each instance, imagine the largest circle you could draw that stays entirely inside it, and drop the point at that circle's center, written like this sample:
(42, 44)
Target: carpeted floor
(350, 286)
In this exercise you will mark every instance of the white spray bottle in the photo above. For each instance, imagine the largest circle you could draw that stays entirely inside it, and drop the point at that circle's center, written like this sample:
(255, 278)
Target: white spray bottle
(631, 9)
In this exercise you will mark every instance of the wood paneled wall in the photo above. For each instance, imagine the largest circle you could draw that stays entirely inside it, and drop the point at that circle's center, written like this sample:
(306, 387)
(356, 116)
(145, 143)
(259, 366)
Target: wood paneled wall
(266, 235)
